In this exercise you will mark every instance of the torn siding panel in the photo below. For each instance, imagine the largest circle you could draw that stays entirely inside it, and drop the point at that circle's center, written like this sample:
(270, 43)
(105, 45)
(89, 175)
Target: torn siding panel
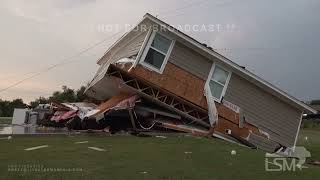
(106, 88)
(128, 47)
(212, 109)
(264, 110)
(131, 49)
(263, 143)
(190, 61)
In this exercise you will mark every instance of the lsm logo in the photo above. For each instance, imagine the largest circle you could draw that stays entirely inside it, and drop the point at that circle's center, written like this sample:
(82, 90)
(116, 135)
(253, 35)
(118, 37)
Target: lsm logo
(289, 161)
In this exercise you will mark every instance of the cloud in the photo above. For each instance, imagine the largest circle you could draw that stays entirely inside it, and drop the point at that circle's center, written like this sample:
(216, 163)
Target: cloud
(36, 34)
(41, 11)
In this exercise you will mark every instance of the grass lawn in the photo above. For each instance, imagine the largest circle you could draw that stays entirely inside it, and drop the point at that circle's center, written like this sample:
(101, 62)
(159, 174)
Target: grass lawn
(313, 142)
(128, 157)
(5, 120)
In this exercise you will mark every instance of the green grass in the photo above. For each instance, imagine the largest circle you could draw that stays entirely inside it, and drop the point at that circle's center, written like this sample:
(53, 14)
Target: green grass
(311, 125)
(313, 142)
(5, 120)
(126, 157)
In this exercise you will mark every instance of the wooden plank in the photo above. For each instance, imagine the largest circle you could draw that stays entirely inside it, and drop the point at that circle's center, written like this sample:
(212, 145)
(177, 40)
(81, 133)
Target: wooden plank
(156, 111)
(194, 131)
(37, 147)
(96, 149)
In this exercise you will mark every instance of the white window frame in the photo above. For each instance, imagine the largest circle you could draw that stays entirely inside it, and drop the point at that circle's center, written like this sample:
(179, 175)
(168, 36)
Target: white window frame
(148, 46)
(214, 65)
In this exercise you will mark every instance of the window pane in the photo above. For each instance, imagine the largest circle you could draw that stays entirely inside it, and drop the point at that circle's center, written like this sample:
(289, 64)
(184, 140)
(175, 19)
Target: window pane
(216, 89)
(220, 75)
(154, 58)
(161, 43)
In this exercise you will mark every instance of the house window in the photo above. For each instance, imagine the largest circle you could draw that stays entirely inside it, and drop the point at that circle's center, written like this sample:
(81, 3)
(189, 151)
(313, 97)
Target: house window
(157, 52)
(219, 79)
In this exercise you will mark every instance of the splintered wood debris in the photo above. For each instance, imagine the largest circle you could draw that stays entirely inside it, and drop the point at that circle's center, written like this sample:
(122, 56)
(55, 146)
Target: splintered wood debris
(35, 148)
(96, 149)
(81, 142)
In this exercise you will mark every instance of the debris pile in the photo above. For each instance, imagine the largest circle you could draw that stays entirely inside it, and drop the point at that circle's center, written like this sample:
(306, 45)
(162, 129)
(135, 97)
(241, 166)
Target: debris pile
(59, 114)
(123, 112)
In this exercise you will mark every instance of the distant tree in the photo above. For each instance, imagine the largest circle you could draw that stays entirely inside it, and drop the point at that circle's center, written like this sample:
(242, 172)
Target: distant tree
(18, 103)
(81, 96)
(40, 100)
(315, 102)
(7, 107)
(67, 95)
(1, 108)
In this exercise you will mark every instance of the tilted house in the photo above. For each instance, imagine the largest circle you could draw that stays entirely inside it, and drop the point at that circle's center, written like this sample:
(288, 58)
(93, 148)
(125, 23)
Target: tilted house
(173, 70)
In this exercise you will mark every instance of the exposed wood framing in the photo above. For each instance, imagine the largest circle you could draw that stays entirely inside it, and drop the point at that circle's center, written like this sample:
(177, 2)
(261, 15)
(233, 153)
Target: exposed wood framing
(174, 79)
(187, 129)
(156, 111)
(162, 97)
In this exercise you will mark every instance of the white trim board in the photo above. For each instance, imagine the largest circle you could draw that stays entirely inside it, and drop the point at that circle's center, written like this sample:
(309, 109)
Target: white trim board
(225, 87)
(298, 131)
(228, 62)
(96, 149)
(143, 47)
(37, 147)
(81, 142)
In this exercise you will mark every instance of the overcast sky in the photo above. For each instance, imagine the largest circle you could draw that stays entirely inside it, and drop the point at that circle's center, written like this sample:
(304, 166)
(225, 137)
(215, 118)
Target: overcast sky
(277, 40)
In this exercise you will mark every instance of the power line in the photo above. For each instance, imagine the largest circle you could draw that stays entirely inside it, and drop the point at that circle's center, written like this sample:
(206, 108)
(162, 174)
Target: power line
(63, 62)
(68, 60)
(14, 76)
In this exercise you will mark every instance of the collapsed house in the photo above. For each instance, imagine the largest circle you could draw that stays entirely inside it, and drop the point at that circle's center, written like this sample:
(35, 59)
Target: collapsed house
(185, 86)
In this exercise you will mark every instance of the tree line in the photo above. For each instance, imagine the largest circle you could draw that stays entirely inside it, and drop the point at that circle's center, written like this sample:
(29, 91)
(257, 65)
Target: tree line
(65, 95)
